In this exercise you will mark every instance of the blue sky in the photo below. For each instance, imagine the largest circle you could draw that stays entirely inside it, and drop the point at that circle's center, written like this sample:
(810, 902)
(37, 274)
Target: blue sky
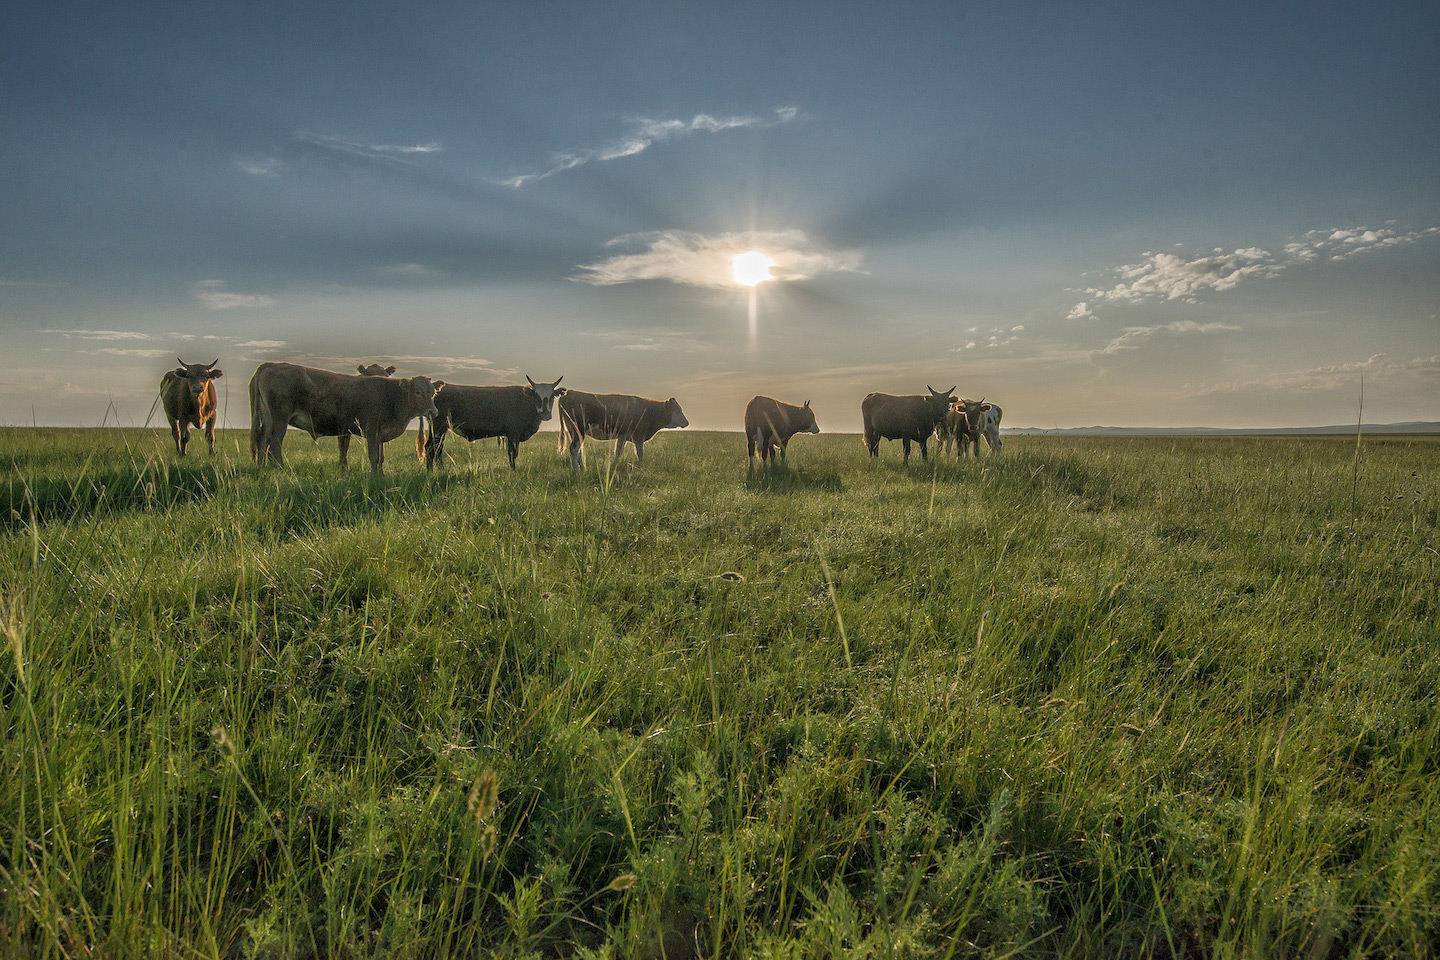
(1134, 214)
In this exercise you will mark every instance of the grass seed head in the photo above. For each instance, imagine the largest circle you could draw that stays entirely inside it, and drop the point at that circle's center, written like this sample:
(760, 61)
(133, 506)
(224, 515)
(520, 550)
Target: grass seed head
(485, 795)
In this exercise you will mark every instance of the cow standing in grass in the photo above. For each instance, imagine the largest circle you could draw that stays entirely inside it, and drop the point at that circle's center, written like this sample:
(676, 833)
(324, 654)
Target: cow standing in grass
(977, 419)
(188, 395)
(326, 404)
(343, 439)
(614, 416)
(513, 414)
(769, 425)
(907, 419)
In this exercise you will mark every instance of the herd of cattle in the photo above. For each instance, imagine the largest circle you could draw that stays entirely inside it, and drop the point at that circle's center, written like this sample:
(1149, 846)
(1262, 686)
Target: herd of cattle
(379, 407)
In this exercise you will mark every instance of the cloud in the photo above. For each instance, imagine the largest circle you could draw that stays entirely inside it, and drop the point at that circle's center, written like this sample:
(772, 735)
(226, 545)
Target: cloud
(643, 134)
(102, 334)
(261, 344)
(408, 271)
(211, 294)
(1127, 338)
(261, 166)
(1378, 366)
(698, 260)
(391, 153)
(130, 352)
(1166, 276)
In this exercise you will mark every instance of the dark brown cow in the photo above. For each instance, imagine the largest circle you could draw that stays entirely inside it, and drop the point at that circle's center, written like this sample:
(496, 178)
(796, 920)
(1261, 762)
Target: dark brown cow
(326, 404)
(614, 416)
(769, 424)
(511, 413)
(188, 394)
(976, 416)
(343, 439)
(908, 418)
(960, 427)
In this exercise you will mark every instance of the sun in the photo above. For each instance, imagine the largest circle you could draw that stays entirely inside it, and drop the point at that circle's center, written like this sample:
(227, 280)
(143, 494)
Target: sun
(751, 268)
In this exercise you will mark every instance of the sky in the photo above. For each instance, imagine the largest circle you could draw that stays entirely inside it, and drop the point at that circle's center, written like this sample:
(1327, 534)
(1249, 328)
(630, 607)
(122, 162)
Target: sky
(1125, 214)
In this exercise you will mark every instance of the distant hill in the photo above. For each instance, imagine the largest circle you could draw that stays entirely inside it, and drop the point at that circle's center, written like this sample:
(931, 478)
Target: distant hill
(1418, 426)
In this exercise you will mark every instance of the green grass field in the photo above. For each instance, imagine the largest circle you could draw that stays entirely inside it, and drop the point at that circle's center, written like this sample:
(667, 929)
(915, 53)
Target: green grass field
(1123, 698)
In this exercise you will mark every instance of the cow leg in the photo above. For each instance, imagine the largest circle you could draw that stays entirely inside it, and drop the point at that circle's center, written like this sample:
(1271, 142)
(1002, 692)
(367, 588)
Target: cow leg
(783, 445)
(182, 436)
(512, 446)
(905, 443)
(434, 441)
(639, 451)
(577, 451)
(619, 448)
(344, 439)
(923, 454)
(377, 453)
(210, 434)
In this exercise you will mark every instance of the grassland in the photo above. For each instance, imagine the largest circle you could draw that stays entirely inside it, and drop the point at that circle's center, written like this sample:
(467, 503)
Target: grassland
(1105, 697)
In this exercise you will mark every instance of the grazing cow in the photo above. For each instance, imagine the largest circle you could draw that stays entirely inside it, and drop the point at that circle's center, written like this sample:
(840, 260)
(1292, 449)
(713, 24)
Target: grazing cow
(770, 424)
(512, 414)
(188, 394)
(907, 418)
(326, 404)
(614, 416)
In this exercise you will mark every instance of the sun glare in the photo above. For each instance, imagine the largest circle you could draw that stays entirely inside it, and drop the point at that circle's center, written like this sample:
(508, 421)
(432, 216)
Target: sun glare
(751, 268)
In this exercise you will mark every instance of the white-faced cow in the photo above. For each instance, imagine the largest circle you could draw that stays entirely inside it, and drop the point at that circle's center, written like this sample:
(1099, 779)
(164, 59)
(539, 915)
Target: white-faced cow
(769, 424)
(991, 428)
(326, 404)
(511, 413)
(614, 416)
(907, 419)
(188, 395)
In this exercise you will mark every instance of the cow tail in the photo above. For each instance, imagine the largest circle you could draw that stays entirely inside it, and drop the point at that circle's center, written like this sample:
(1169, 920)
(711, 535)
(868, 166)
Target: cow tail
(420, 441)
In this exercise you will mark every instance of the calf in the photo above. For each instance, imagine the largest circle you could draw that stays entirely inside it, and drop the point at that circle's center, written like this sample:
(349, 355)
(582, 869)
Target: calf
(614, 416)
(512, 414)
(188, 394)
(770, 424)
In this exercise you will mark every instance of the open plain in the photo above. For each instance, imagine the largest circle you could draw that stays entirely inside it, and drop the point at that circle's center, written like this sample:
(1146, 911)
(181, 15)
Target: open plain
(1096, 697)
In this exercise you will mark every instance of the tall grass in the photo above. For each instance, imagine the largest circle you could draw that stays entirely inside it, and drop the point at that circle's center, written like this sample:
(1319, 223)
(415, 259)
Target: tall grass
(1147, 697)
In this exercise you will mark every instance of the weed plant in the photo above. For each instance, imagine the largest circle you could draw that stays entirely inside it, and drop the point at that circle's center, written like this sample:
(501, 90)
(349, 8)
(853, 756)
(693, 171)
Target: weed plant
(1113, 697)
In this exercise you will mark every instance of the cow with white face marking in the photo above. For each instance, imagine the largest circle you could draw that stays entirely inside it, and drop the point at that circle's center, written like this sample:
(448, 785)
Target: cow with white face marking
(769, 425)
(979, 419)
(614, 416)
(326, 404)
(911, 418)
(188, 395)
(512, 414)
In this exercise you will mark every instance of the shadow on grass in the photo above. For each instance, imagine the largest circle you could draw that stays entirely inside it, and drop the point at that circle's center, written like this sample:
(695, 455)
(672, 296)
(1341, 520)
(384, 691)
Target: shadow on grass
(782, 479)
(301, 506)
(107, 491)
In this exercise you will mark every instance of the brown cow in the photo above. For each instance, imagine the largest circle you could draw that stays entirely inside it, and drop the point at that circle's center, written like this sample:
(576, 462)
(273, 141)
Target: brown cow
(512, 414)
(769, 424)
(326, 404)
(978, 418)
(614, 416)
(366, 370)
(908, 418)
(188, 394)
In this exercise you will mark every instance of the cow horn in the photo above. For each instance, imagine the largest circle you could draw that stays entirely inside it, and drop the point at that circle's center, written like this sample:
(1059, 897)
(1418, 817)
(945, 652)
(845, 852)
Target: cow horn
(181, 362)
(558, 379)
(981, 400)
(807, 403)
(529, 381)
(213, 362)
(951, 390)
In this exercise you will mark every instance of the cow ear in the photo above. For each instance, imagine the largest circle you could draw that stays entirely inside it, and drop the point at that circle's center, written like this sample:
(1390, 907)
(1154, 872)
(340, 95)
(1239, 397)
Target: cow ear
(179, 372)
(437, 384)
(216, 374)
(986, 406)
(361, 368)
(390, 370)
(561, 391)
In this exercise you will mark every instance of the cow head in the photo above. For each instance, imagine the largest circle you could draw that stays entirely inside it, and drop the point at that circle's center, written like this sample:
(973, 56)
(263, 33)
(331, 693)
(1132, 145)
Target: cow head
(805, 420)
(197, 375)
(545, 394)
(677, 418)
(974, 413)
(422, 390)
(375, 370)
(939, 402)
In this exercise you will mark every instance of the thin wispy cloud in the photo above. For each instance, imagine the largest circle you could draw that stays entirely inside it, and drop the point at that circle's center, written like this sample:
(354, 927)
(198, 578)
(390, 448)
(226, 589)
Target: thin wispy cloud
(1378, 366)
(372, 151)
(269, 167)
(101, 334)
(130, 352)
(1168, 276)
(643, 134)
(407, 271)
(213, 296)
(1130, 335)
(700, 260)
